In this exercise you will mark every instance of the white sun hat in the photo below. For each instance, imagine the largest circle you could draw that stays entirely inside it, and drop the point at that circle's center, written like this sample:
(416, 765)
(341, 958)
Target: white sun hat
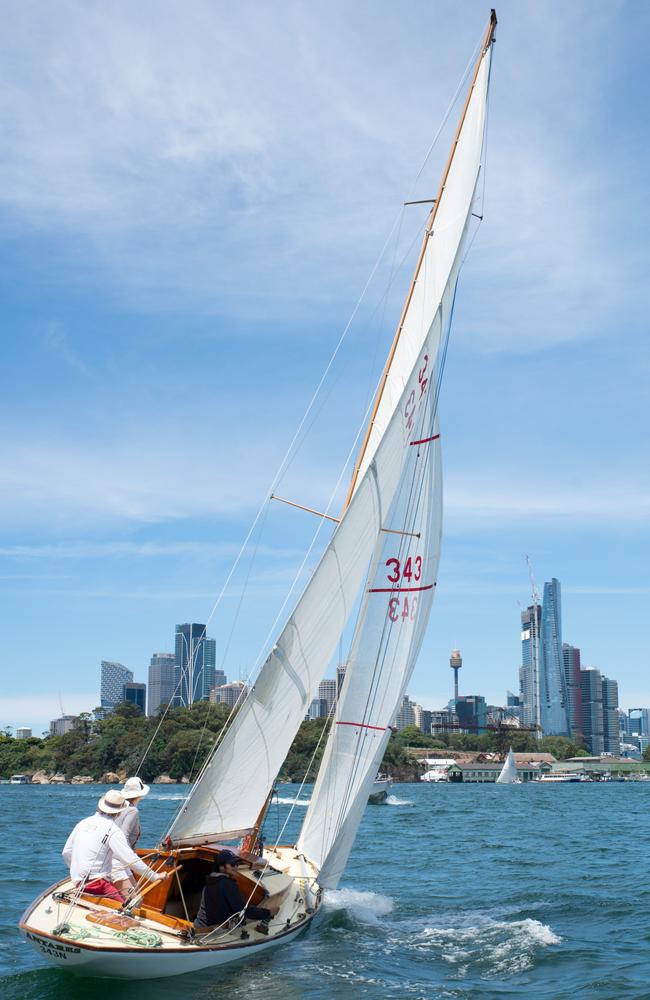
(112, 802)
(134, 788)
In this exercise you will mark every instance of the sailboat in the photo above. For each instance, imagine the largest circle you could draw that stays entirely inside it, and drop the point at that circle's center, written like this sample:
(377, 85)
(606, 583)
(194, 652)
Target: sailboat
(381, 561)
(508, 775)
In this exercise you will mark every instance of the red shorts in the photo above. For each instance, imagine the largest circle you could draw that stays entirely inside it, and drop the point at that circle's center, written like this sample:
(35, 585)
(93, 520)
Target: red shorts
(102, 887)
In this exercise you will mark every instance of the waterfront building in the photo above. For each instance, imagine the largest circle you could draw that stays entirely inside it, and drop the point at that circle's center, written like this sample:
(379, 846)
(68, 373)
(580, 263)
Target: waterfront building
(114, 676)
(161, 681)
(611, 732)
(136, 694)
(23, 733)
(471, 710)
(423, 719)
(65, 724)
(554, 717)
(571, 662)
(327, 692)
(531, 620)
(406, 714)
(229, 694)
(195, 664)
(591, 684)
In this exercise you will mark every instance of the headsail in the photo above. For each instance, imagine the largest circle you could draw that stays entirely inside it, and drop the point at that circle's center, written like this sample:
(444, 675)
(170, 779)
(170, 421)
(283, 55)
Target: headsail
(397, 603)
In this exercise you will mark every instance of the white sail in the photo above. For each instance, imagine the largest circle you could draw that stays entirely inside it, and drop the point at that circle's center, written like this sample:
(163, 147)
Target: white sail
(508, 774)
(234, 786)
(394, 616)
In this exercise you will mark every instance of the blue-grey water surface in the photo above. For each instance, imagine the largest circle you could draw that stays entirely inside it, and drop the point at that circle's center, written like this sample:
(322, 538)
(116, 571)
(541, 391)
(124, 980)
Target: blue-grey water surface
(452, 891)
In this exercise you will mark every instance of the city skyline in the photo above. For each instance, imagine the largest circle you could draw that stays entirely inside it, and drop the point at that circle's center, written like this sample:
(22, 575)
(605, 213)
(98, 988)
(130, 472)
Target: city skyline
(168, 315)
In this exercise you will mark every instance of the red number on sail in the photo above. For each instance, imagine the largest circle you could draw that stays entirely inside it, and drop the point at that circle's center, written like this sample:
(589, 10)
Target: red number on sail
(421, 379)
(394, 576)
(393, 605)
(418, 567)
(409, 410)
(407, 572)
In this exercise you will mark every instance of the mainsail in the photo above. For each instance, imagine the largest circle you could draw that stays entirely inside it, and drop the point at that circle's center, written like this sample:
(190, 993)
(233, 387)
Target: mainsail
(508, 775)
(401, 581)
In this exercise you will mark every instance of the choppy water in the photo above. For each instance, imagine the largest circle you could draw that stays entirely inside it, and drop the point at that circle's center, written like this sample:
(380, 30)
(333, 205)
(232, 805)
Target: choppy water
(453, 891)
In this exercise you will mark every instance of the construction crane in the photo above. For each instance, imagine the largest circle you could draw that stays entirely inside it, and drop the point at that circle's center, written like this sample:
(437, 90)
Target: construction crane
(504, 730)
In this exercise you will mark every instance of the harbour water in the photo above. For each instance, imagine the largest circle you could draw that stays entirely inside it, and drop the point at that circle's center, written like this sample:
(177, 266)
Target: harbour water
(453, 891)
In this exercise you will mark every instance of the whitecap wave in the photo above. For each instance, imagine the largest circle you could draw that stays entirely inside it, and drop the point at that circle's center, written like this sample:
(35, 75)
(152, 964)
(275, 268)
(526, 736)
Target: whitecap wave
(393, 800)
(497, 947)
(366, 907)
(168, 798)
(292, 802)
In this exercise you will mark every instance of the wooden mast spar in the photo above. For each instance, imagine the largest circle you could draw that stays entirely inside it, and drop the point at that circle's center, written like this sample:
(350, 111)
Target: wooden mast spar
(487, 41)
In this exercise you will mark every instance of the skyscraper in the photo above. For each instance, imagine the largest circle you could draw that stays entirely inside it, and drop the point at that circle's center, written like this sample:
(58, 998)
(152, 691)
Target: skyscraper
(554, 716)
(327, 691)
(592, 709)
(531, 620)
(161, 681)
(195, 661)
(406, 713)
(136, 694)
(113, 678)
(471, 710)
(611, 734)
(423, 719)
(571, 659)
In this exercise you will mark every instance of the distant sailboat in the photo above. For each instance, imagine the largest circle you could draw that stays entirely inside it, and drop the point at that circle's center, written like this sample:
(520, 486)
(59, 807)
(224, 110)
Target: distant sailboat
(381, 561)
(508, 774)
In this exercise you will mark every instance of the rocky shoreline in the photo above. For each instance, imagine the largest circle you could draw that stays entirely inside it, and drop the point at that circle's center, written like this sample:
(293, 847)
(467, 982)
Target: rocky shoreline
(108, 778)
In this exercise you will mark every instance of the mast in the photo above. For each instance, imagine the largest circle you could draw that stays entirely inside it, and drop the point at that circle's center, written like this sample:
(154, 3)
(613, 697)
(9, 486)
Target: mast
(487, 41)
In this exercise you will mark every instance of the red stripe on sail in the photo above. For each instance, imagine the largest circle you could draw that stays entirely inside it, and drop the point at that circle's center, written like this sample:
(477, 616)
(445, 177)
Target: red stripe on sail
(399, 590)
(426, 440)
(362, 725)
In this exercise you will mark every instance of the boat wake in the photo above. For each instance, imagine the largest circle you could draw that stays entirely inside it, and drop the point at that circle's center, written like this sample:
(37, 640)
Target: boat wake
(393, 800)
(494, 947)
(364, 907)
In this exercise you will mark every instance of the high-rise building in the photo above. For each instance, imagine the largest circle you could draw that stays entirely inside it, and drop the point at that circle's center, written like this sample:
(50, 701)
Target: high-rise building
(591, 683)
(195, 664)
(445, 721)
(638, 721)
(327, 692)
(161, 681)
(318, 709)
(571, 660)
(514, 706)
(340, 677)
(553, 699)
(611, 734)
(231, 695)
(23, 733)
(113, 678)
(423, 719)
(531, 620)
(471, 710)
(406, 713)
(136, 694)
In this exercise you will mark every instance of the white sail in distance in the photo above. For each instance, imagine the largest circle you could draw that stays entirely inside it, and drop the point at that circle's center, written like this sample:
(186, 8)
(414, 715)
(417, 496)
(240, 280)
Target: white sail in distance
(401, 582)
(508, 775)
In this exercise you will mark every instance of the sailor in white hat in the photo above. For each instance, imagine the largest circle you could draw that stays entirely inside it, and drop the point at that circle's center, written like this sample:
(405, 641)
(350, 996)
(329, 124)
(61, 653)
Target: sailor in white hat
(93, 845)
(129, 822)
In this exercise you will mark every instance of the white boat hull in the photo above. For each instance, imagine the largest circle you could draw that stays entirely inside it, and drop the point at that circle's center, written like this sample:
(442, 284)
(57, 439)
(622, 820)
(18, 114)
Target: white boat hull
(76, 934)
(380, 791)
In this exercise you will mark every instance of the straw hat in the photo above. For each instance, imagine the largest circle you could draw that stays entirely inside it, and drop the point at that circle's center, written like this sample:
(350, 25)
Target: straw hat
(134, 788)
(112, 802)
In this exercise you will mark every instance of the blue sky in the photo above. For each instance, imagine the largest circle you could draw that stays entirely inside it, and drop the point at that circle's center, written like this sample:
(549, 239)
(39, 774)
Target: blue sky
(191, 202)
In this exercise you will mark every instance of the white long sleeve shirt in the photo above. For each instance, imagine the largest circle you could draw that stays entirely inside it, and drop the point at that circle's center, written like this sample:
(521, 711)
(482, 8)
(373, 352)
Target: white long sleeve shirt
(92, 846)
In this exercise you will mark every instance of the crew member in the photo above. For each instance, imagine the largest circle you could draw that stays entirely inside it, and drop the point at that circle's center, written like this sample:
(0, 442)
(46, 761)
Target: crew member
(92, 845)
(129, 823)
(221, 898)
